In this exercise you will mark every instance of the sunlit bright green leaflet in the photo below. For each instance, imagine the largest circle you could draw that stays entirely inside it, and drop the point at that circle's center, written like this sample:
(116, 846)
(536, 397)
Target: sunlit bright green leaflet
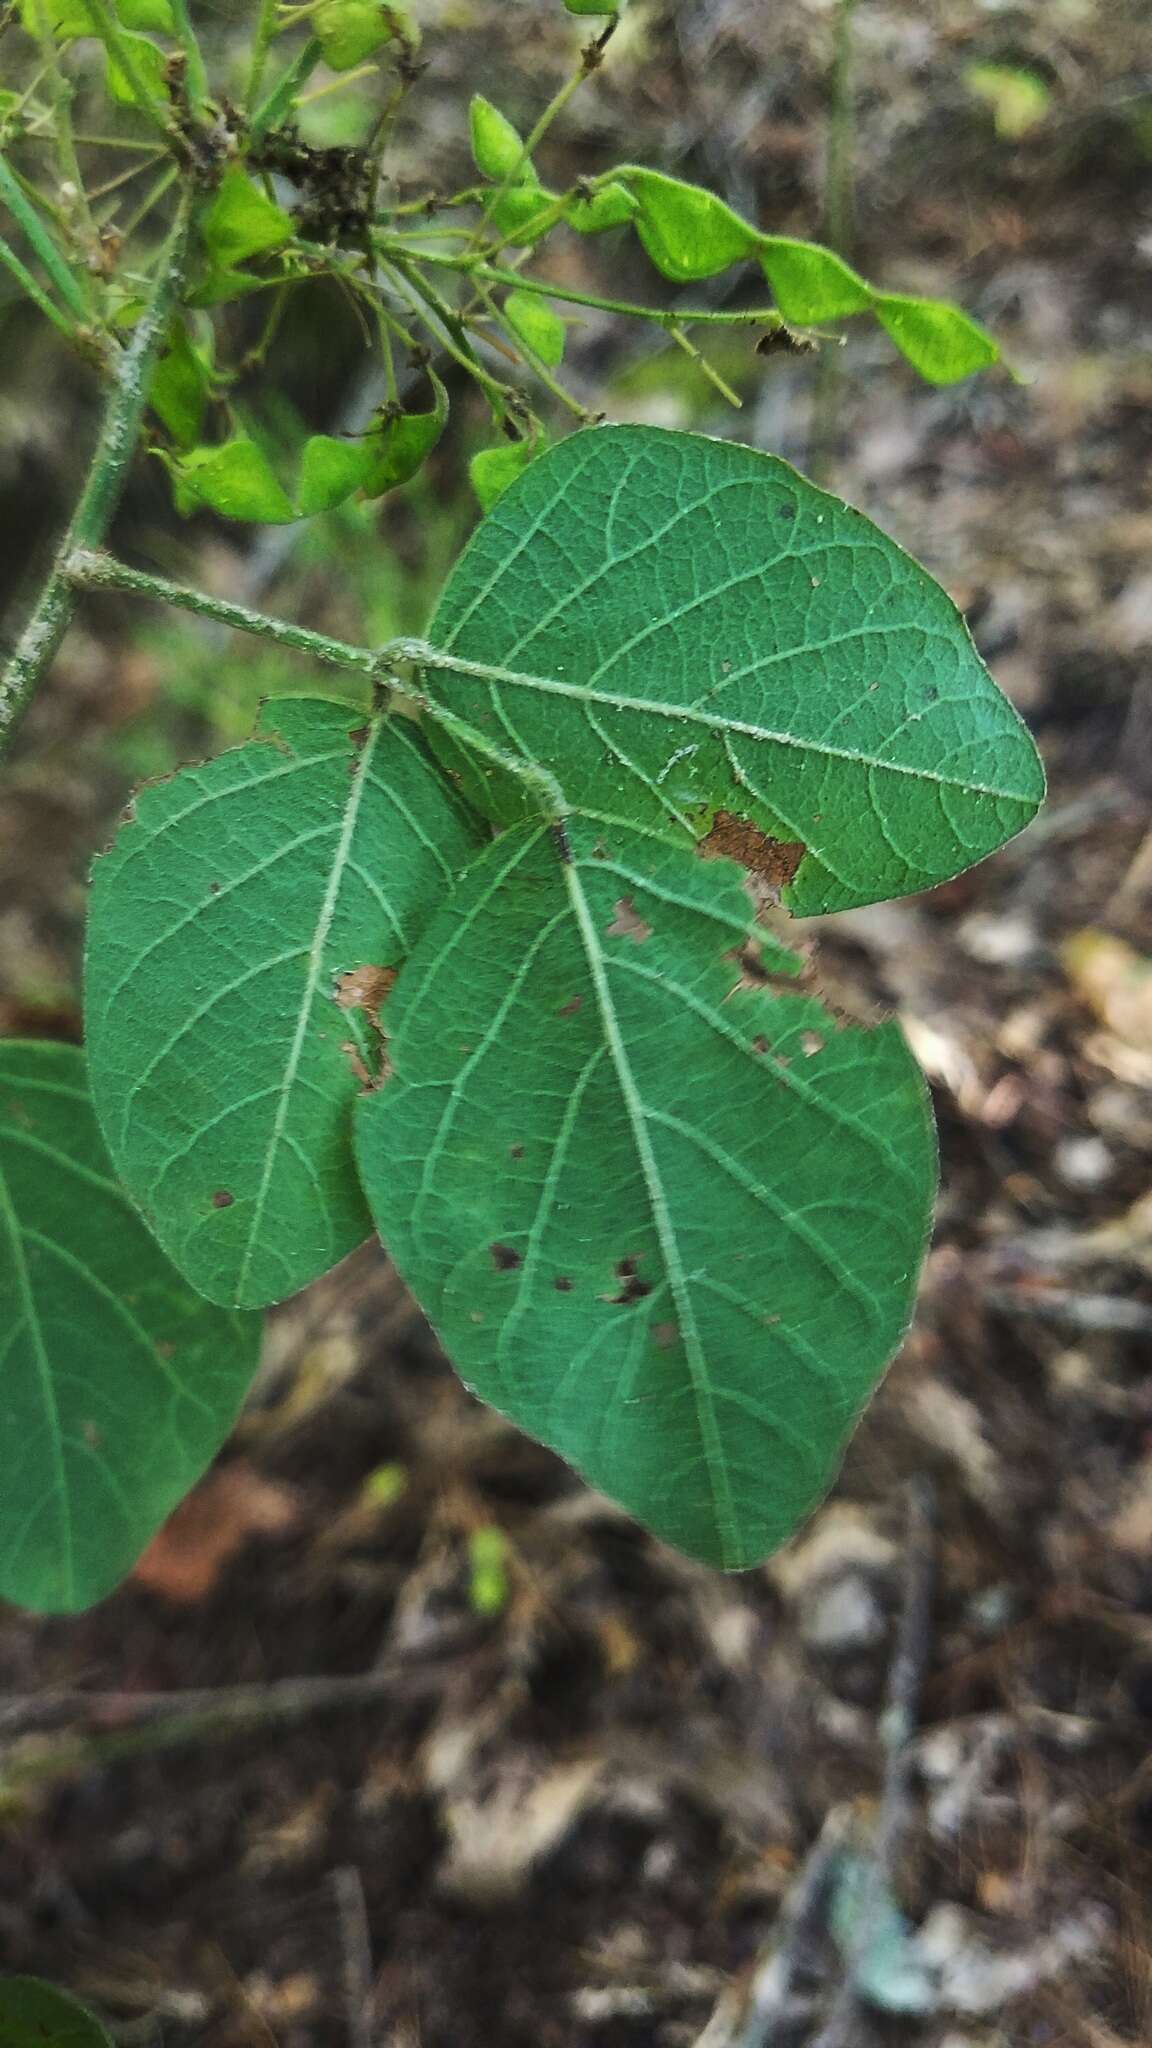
(667, 1221)
(675, 625)
(241, 934)
(117, 1382)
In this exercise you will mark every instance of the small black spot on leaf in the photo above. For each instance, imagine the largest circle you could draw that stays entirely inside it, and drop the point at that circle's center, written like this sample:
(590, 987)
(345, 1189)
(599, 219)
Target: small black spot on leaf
(504, 1258)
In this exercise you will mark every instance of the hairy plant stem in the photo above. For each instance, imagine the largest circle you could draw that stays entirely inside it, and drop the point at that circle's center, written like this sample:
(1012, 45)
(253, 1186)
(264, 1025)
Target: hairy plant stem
(115, 447)
(89, 569)
(839, 207)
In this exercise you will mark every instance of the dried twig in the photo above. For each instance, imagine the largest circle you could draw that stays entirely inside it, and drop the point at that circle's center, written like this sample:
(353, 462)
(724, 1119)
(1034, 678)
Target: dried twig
(752, 2017)
(905, 1683)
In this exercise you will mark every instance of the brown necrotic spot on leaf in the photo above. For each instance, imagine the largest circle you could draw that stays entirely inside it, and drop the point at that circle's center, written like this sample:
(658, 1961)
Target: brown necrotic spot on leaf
(505, 1258)
(775, 861)
(356, 1061)
(628, 924)
(562, 1284)
(222, 1199)
(365, 988)
(632, 1287)
(664, 1335)
(761, 1044)
(570, 1008)
(515, 1151)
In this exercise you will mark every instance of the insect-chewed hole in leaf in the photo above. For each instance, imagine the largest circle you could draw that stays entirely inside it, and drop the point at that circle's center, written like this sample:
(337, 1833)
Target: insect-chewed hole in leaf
(222, 1199)
(627, 923)
(505, 1258)
(774, 861)
(811, 1042)
(632, 1287)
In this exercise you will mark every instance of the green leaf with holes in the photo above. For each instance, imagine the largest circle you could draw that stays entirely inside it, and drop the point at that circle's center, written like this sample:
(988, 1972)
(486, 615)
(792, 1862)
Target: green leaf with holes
(690, 234)
(118, 1384)
(244, 932)
(665, 1212)
(681, 629)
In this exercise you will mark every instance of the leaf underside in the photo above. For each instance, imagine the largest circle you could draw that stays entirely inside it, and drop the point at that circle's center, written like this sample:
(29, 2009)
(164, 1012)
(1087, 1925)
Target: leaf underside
(117, 1383)
(668, 1222)
(244, 929)
(677, 626)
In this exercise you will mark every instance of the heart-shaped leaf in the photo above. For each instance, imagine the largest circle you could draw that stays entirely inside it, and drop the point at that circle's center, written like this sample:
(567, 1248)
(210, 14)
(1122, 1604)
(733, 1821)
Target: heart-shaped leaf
(665, 1212)
(245, 929)
(117, 1383)
(677, 627)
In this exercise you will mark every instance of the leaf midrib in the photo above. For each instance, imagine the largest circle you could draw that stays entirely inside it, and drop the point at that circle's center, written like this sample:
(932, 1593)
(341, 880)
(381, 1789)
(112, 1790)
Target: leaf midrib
(582, 693)
(710, 1437)
(312, 976)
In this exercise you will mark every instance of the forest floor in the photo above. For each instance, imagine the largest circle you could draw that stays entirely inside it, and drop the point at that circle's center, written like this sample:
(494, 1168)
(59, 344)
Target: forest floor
(502, 1770)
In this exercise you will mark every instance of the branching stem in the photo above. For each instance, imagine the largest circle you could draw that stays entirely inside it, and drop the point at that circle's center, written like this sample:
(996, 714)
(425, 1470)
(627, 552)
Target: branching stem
(119, 434)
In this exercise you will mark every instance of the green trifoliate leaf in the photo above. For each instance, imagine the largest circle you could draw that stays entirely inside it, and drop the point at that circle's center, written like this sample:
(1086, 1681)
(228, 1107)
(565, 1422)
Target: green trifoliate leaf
(350, 30)
(244, 931)
(537, 326)
(687, 232)
(235, 479)
(497, 147)
(403, 442)
(664, 1215)
(242, 221)
(118, 1384)
(938, 340)
(494, 469)
(611, 206)
(677, 627)
(35, 2015)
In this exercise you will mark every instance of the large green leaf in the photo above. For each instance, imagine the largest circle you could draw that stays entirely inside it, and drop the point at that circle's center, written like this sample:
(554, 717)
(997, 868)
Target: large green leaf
(117, 1382)
(664, 1210)
(678, 626)
(243, 933)
(35, 2015)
